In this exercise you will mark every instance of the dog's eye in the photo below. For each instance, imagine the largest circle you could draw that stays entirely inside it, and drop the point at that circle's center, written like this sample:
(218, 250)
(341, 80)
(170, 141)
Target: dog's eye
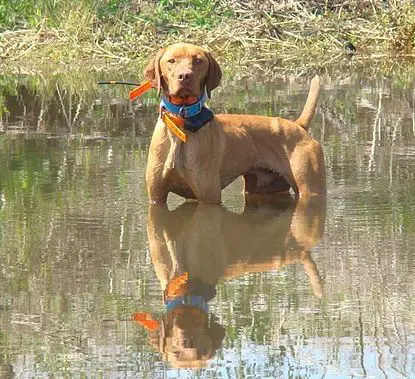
(197, 61)
(172, 60)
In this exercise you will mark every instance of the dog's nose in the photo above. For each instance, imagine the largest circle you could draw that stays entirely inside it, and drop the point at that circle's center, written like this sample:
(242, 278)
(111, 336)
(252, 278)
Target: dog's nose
(185, 76)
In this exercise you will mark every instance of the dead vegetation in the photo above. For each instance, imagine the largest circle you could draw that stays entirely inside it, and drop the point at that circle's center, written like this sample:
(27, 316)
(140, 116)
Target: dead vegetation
(265, 35)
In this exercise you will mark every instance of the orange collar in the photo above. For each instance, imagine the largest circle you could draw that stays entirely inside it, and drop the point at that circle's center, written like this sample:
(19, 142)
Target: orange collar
(176, 100)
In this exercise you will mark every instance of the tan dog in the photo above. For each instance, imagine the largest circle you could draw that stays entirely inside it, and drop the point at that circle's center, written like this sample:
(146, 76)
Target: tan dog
(271, 153)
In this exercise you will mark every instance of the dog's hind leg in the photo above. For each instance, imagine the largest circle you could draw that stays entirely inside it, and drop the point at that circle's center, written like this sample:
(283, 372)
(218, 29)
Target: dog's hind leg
(308, 169)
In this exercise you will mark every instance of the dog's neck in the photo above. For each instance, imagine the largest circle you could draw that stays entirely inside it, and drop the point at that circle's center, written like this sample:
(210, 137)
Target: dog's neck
(183, 291)
(181, 118)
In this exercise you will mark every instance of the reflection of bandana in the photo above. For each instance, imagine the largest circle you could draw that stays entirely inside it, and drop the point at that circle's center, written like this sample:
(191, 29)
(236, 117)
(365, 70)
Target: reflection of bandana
(182, 291)
(188, 301)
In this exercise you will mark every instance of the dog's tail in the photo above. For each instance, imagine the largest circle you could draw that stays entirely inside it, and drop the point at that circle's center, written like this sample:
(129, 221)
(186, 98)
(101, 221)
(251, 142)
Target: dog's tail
(311, 104)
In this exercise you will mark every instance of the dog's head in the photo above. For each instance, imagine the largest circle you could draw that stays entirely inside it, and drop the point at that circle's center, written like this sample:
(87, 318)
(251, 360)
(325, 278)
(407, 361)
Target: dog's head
(187, 335)
(184, 70)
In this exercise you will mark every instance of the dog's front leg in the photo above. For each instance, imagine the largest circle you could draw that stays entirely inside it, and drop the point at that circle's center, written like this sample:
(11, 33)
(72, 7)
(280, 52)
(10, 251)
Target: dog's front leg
(211, 193)
(155, 176)
(205, 186)
(156, 187)
(201, 163)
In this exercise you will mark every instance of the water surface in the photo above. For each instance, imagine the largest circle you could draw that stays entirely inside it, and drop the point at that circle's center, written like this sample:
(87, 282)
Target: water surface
(292, 289)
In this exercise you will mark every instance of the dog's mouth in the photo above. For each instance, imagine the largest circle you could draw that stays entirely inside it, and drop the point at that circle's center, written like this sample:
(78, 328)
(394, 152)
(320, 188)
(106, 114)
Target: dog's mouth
(183, 93)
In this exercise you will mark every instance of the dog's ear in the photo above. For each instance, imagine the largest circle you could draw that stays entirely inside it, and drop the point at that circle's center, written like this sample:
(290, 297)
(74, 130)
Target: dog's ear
(153, 72)
(213, 75)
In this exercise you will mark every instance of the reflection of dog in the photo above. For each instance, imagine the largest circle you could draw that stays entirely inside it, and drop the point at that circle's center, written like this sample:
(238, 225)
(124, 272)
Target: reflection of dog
(194, 246)
(271, 153)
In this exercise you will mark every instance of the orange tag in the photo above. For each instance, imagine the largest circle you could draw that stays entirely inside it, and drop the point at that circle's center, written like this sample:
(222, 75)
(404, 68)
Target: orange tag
(136, 92)
(146, 320)
(173, 127)
(177, 286)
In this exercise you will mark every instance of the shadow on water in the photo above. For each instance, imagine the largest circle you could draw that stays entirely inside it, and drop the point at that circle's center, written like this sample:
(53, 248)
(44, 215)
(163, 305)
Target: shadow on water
(196, 246)
(271, 295)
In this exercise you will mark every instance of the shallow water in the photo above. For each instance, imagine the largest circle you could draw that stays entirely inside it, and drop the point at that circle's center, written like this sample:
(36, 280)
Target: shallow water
(305, 289)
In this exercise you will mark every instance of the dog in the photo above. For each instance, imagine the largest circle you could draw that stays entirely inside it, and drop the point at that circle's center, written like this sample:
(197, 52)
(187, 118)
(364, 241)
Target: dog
(195, 247)
(196, 154)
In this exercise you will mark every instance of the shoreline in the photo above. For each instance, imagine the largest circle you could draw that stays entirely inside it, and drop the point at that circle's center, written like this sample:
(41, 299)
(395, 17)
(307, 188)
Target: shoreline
(285, 38)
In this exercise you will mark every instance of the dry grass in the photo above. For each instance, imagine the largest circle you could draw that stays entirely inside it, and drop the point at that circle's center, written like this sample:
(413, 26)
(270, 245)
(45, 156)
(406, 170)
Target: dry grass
(264, 35)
